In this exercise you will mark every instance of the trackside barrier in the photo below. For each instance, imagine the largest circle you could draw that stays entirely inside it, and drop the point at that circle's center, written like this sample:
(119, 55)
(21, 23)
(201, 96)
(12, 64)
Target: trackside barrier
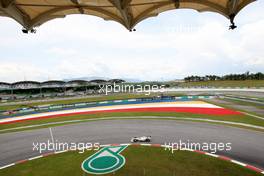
(27, 111)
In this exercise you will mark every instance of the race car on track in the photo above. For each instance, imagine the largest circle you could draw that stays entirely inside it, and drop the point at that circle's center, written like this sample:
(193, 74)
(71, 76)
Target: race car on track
(141, 139)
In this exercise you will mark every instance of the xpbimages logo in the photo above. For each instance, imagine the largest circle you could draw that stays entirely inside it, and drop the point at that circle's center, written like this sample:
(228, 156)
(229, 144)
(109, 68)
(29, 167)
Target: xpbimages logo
(211, 147)
(64, 146)
(127, 88)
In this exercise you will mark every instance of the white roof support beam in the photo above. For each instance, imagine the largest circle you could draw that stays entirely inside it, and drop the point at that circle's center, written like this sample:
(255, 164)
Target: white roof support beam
(6, 3)
(176, 3)
(232, 6)
(32, 13)
(124, 9)
(78, 3)
(9, 7)
(232, 10)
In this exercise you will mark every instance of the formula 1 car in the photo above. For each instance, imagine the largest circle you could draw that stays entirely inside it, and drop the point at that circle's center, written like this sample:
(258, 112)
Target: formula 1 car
(141, 139)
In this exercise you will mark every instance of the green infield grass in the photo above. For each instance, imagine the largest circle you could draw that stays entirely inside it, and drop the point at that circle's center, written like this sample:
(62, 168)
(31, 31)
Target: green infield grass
(240, 107)
(245, 103)
(140, 161)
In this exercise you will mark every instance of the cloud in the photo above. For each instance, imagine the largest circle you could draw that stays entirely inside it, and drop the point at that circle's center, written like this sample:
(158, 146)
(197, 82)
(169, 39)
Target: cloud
(173, 45)
(61, 51)
(12, 72)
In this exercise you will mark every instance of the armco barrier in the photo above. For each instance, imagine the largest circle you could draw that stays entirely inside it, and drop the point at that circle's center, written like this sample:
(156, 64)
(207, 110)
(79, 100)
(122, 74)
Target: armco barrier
(27, 111)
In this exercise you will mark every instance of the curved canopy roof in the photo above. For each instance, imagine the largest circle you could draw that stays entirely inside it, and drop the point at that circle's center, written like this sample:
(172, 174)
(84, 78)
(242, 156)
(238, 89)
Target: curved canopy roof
(26, 82)
(53, 82)
(32, 13)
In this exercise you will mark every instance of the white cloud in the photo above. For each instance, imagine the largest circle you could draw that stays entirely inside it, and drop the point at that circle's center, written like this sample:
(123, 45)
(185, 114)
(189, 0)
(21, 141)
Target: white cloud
(62, 51)
(256, 62)
(173, 45)
(12, 72)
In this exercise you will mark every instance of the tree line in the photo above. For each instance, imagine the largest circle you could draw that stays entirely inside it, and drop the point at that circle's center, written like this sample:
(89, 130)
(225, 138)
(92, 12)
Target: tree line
(244, 76)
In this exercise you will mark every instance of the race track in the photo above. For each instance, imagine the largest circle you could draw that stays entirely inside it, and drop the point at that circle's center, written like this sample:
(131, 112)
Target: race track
(247, 145)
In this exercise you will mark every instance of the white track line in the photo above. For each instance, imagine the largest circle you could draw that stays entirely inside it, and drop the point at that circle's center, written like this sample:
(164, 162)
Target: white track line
(262, 118)
(36, 157)
(6, 166)
(52, 138)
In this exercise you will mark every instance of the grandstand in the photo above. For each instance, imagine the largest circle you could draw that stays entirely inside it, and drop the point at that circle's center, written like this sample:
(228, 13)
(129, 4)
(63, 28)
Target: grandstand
(52, 88)
(5, 86)
(52, 84)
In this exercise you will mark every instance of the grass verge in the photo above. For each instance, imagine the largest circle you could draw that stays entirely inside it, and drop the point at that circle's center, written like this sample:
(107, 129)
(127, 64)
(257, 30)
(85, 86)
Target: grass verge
(245, 103)
(237, 102)
(140, 160)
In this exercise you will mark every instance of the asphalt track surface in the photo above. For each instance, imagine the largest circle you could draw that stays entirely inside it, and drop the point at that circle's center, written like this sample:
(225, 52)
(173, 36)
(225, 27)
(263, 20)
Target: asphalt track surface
(247, 145)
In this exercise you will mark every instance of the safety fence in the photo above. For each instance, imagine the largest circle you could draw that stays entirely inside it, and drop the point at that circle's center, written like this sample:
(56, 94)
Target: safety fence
(50, 108)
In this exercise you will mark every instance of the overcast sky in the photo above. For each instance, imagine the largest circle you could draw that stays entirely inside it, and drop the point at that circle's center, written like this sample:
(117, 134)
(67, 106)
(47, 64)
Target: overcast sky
(173, 45)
